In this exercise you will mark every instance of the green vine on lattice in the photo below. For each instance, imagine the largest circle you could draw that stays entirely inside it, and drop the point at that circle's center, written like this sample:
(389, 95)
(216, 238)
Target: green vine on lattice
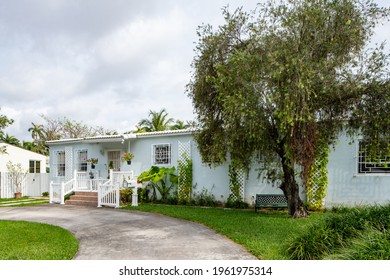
(184, 166)
(317, 184)
(234, 183)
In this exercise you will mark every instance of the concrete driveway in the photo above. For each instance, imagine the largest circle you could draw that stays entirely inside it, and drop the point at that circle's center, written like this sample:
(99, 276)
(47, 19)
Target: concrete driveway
(115, 234)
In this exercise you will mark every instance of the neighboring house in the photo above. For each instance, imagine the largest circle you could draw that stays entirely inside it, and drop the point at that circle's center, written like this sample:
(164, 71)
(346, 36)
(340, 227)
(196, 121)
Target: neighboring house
(36, 181)
(352, 180)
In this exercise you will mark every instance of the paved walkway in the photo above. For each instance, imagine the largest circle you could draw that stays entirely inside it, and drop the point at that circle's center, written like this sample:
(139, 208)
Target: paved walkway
(115, 234)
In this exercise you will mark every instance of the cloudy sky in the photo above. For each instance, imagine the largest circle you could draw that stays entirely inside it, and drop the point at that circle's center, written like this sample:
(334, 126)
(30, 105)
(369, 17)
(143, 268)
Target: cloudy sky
(103, 62)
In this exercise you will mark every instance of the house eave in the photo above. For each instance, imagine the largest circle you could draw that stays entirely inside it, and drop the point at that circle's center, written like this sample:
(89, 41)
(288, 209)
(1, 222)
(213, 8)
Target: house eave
(120, 138)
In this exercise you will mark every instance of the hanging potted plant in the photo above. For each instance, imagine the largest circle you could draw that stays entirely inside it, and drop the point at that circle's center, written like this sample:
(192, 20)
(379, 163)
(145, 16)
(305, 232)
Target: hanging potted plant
(93, 161)
(91, 175)
(127, 157)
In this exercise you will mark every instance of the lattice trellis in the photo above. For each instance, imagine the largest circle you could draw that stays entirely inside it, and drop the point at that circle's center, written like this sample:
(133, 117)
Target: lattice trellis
(241, 179)
(185, 175)
(317, 183)
(68, 163)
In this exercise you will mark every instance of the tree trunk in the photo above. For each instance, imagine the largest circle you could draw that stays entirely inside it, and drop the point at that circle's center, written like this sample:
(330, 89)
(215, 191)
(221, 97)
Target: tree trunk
(290, 189)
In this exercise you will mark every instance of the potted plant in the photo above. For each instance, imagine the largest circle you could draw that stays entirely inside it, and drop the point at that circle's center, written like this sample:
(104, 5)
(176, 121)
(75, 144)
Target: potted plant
(127, 157)
(93, 161)
(17, 175)
(91, 175)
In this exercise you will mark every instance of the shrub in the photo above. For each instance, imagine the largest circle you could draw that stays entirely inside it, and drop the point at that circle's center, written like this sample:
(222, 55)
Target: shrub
(143, 194)
(66, 197)
(339, 231)
(237, 204)
(45, 194)
(371, 244)
(204, 198)
(125, 195)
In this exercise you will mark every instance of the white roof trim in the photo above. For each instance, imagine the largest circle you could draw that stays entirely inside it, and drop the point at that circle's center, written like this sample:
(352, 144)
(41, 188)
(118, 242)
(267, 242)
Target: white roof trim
(122, 137)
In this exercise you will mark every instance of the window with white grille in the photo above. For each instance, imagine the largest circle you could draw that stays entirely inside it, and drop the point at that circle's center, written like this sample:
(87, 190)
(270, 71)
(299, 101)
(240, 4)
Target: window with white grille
(161, 154)
(81, 160)
(368, 165)
(60, 163)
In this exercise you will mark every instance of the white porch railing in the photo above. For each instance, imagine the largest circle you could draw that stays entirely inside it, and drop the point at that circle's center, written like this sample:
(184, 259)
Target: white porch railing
(108, 189)
(59, 190)
(117, 177)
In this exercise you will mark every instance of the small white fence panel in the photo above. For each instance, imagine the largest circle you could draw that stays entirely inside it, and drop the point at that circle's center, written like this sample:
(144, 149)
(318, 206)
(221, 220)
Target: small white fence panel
(108, 195)
(55, 192)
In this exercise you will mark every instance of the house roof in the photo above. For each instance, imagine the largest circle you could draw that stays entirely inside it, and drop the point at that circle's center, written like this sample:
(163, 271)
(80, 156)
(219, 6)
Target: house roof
(122, 137)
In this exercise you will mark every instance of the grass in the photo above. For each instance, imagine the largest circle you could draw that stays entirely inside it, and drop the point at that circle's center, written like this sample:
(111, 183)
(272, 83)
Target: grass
(24, 201)
(358, 233)
(20, 240)
(264, 234)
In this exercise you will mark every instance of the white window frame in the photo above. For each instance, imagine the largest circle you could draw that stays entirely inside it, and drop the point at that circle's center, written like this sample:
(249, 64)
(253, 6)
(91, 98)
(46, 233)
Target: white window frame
(165, 159)
(59, 165)
(81, 161)
(364, 168)
(35, 167)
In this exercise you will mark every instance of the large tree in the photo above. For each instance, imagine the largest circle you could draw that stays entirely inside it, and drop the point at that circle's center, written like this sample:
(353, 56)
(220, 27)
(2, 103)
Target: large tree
(287, 78)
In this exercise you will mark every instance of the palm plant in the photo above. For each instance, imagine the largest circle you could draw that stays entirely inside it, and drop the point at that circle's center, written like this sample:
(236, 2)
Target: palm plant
(9, 139)
(157, 121)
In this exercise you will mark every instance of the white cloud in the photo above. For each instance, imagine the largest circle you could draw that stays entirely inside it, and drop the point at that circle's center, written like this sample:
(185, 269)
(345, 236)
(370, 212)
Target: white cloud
(103, 62)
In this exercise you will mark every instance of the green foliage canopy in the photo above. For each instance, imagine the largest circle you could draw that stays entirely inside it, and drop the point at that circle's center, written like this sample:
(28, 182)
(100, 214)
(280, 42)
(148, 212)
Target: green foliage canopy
(282, 78)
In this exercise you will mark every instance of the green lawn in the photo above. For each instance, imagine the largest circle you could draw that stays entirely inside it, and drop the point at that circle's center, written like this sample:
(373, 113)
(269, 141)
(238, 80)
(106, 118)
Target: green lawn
(24, 201)
(265, 234)
(20, 240)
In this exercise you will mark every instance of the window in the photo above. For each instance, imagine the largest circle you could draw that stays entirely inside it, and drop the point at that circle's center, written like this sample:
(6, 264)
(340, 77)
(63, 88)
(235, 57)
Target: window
(35, 166)
(60, 163)
(366, 165)
(161, 154)
(81, 160)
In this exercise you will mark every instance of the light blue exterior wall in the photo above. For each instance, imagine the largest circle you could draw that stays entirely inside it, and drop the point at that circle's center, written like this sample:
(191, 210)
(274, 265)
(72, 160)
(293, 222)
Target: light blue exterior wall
(345, 186)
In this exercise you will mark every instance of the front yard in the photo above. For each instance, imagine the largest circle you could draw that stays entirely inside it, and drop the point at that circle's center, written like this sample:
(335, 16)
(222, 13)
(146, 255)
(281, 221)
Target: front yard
(264, 234)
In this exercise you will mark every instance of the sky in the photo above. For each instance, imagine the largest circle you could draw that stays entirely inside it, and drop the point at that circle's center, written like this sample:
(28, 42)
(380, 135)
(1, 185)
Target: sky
(103, 62)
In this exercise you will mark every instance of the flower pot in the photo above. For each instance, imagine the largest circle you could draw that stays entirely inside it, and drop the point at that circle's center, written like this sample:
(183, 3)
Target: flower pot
(18, 195)
(129, 162)
(93, 166)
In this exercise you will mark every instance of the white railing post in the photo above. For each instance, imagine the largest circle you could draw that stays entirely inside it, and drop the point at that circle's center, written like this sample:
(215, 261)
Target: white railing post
(51, 192)
(117, 196)
(112, 175)
(75, 179)
(62, 193)
(100, 196)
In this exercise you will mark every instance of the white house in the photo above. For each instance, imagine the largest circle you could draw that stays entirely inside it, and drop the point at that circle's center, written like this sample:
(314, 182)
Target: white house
(352, 180)
(31, 161)
(36, 181)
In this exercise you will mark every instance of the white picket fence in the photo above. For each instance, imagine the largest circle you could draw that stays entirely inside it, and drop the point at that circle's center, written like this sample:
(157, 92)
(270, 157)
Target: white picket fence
(33, 185)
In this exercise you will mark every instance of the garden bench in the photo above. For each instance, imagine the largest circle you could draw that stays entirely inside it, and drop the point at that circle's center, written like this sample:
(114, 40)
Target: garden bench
(270, 201)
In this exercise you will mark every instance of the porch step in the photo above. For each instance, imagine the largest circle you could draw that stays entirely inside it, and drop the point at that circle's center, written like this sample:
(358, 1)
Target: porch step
(83, 199)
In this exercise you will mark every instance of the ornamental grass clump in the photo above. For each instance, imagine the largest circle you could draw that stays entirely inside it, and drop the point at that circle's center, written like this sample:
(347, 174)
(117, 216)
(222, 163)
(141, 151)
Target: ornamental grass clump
(341, 231)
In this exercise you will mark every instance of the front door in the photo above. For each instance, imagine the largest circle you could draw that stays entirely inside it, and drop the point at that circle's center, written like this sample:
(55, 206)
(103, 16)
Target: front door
(114, 160)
